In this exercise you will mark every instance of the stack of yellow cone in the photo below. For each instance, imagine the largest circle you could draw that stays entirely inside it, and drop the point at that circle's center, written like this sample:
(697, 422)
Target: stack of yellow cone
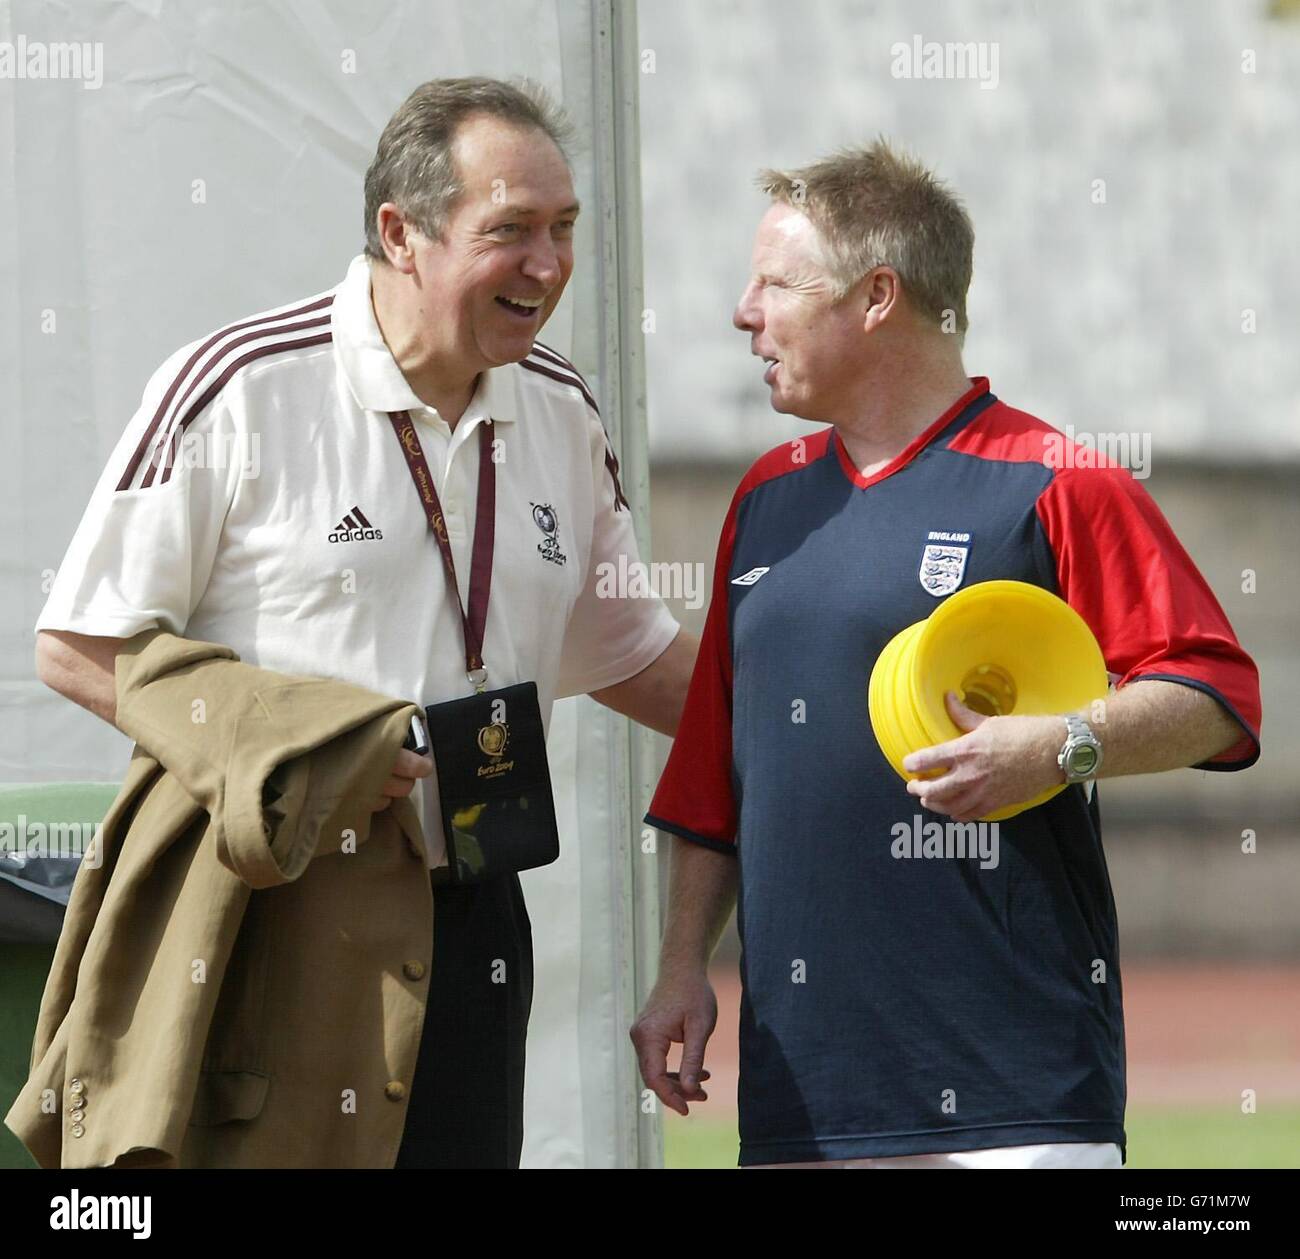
(1005, 647)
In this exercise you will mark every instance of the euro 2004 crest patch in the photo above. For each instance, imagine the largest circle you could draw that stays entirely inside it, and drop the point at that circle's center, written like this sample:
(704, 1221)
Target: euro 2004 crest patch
(548, 522)
(943, 563)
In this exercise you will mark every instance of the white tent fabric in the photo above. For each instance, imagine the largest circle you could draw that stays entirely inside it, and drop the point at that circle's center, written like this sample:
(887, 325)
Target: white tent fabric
(215, 170)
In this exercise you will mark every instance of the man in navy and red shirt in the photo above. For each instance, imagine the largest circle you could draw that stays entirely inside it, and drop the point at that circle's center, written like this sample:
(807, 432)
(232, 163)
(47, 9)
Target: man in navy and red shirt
(900, 1011)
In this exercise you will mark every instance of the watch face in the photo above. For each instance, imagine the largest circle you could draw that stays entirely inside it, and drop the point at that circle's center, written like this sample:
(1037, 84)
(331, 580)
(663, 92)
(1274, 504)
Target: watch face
(1083, 760)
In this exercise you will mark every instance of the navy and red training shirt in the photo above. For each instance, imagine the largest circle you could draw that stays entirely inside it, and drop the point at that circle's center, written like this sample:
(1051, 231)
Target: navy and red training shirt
(909, 1005)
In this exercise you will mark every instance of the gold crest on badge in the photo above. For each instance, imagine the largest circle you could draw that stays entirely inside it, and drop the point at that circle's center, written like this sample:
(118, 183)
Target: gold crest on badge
(492, 742)
(492, 739)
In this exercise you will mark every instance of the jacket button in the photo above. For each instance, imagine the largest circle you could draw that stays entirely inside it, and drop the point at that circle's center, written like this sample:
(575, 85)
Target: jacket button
(78, 1130)
(394, 1090)
(413, 970)
(77, 1115)
(76, 1085)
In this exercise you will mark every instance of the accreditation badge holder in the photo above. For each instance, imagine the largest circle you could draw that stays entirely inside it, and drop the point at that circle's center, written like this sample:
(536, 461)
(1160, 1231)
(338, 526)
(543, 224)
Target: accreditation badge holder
(494, 783)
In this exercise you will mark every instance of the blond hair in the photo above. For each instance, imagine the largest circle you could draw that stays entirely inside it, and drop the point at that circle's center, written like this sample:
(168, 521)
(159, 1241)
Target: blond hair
(874, 207)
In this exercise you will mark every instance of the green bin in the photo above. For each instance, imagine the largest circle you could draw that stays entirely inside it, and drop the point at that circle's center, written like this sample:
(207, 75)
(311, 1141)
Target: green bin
(38, 825)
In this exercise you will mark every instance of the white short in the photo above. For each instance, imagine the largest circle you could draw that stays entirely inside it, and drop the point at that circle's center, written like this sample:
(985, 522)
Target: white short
(1063, 1154)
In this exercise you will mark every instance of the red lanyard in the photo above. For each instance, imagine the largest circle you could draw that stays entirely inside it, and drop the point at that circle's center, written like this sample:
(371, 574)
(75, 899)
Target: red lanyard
(485, 519)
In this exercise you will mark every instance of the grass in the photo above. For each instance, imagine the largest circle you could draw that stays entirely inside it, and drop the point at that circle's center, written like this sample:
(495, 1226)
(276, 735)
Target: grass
(1158, 1137)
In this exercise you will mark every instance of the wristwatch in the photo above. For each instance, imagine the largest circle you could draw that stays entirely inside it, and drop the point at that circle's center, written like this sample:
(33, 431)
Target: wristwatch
(1080, 755)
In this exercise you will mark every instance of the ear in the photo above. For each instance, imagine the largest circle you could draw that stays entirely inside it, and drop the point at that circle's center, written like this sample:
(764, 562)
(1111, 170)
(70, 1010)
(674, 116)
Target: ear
(395, 237)
(881, 291)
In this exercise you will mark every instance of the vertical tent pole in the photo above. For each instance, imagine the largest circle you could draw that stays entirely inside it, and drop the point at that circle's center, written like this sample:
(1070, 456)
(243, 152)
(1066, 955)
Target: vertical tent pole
(631, 749)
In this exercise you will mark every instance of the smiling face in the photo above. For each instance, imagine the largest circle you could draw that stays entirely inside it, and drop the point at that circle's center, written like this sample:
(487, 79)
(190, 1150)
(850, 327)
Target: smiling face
(506, 252)
(812, 345)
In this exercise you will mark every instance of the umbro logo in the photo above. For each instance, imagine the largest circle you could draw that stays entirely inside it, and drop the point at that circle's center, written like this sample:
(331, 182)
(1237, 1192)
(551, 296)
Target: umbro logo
(749, 578)
(354, 527)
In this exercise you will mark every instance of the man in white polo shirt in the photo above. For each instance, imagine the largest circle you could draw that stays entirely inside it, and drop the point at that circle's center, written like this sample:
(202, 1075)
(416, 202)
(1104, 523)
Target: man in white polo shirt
(271, 494)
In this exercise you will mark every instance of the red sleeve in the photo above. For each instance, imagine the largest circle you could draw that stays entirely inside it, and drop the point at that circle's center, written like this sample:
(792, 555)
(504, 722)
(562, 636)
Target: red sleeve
(695, 797)
(1119, 565)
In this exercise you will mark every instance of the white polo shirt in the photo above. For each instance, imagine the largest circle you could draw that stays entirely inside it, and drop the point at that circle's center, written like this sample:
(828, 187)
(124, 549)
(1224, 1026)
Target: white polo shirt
(259, 498)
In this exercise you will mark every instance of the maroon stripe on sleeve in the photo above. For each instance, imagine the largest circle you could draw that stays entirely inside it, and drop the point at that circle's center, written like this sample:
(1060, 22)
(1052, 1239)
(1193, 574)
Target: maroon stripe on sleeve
(565, 378)
(215, 361)
(231, 368)
(133, 465)
(545, 351)
(554, 356)
(611, 462)
(551, 356)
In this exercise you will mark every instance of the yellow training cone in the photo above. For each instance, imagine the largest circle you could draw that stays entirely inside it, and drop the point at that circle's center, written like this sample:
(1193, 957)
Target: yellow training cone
(1005, 647)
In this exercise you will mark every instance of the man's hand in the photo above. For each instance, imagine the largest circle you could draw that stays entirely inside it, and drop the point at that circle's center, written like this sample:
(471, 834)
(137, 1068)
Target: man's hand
(401, 782)
(999, 762)
(1149, 726)
(681, 1009)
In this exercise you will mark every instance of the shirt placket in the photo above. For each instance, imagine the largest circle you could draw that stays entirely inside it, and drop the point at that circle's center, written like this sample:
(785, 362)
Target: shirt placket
(459, 471)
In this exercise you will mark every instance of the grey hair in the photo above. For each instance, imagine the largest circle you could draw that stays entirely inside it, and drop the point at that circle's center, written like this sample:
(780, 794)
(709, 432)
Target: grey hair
(873, 207)
(413, 166)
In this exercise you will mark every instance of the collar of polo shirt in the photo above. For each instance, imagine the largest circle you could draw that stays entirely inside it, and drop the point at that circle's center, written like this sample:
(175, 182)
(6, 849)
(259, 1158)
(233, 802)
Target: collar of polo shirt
(372, 373)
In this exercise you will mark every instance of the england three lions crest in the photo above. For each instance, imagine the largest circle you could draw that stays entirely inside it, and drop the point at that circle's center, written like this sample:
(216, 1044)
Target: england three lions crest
(943, 563)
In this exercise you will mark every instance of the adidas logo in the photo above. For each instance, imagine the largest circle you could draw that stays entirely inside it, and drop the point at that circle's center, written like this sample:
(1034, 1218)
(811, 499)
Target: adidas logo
(354, 527)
